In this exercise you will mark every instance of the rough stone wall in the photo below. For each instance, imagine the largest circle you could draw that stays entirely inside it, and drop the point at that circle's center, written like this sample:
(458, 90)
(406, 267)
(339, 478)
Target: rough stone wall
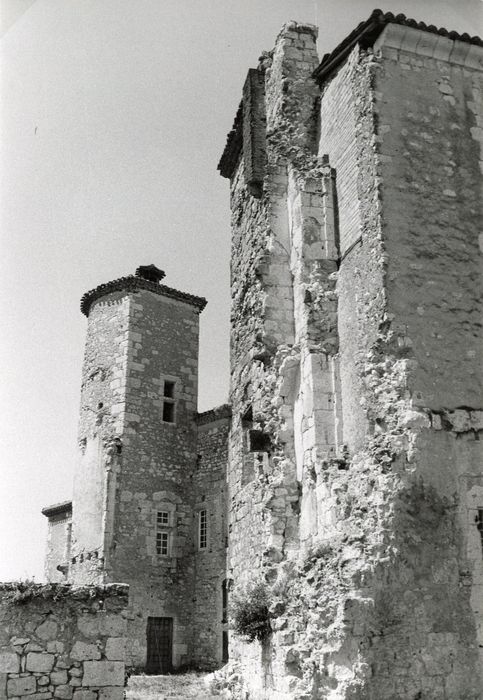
(428, 402)
(100, 427)
(368, 399)
(391, 553)
(62, 642)
(268, 333)
(209, 493)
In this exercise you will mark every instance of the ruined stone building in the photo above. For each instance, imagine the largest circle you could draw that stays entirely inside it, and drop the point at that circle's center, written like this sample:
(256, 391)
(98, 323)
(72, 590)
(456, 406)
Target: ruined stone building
(346, 474)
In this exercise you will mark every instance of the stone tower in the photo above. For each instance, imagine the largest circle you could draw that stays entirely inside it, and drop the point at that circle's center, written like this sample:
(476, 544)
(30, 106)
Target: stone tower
(132, 518)
(148, 504)
(356, 481)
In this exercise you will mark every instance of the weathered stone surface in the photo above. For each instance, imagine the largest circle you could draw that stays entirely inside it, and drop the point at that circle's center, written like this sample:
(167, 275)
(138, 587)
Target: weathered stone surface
(47, 630)
(19, 641)
(21, 686)
(3, 685)
(40, 662)
(348, 316)
(115, 648)
(58, 677)
(9, 662)
(102, 673)
(43, 674)
(82, 694)
(82, 651)
(111, 694)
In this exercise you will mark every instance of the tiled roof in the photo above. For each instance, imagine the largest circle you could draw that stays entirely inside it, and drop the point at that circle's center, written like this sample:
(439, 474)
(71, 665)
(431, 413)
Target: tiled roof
(57, 508)
(367, 32)
(132, 284)
(234, 142)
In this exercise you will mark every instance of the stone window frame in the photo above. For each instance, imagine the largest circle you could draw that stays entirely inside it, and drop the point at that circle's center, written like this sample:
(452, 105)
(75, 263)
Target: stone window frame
(169, 398)
(164, 528)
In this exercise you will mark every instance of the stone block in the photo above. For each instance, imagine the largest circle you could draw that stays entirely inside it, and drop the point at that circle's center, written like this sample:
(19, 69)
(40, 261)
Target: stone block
(83, 694)
(64, 692)
(115, 648)
(21, 686)
(111, 694)
(47, 630)
(102, 673)
(58, 677)
(84, 652)
(114, 625)
(40, 662)
(19, 641)
(3, 686)
(9, 662)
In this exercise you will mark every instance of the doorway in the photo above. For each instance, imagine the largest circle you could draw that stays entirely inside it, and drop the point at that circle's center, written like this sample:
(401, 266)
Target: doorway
(159, 634)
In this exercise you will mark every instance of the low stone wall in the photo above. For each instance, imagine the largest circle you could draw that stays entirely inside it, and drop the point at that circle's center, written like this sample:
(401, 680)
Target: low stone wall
(59, 641)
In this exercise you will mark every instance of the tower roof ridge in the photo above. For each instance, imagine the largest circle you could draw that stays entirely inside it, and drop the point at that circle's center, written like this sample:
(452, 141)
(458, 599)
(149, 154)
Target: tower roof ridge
(132, 283)
(367, 32)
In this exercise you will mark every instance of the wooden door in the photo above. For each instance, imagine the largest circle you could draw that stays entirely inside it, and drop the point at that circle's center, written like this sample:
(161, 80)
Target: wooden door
(159, 635)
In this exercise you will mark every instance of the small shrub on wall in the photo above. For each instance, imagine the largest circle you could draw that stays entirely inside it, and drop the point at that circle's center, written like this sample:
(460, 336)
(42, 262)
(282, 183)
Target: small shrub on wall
(249, 612)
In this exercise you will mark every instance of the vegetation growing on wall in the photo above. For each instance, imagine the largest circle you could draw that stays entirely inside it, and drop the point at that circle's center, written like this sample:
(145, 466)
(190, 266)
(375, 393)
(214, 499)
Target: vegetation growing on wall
(250, 615)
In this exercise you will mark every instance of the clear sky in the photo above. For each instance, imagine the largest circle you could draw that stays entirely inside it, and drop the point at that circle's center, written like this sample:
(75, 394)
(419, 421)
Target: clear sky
(114, 115)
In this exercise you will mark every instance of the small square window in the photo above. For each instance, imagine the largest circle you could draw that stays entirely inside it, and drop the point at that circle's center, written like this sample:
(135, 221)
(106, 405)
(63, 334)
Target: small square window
(168, 412)
(162, 517)
(168, 391)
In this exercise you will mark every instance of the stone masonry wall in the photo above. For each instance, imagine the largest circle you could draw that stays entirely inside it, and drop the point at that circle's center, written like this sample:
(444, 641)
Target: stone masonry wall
(390, 560)
(367, 403)
(267, 339)
(62, 642)
(209, 493)
(100, 428)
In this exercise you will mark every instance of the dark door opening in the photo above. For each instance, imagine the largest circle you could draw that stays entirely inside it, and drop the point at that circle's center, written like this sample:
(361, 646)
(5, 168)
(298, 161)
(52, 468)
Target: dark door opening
(159, 634)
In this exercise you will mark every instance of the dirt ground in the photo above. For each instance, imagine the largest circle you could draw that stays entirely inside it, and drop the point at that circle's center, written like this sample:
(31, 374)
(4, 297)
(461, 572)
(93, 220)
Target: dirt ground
(175, 687)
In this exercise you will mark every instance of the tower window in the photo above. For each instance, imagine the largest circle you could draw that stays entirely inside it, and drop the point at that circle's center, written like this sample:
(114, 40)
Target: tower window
(203, 529)
(162, 543)
(168, 389)
(162, 517)
(169, 401)
(163, 533)
(168, 412)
